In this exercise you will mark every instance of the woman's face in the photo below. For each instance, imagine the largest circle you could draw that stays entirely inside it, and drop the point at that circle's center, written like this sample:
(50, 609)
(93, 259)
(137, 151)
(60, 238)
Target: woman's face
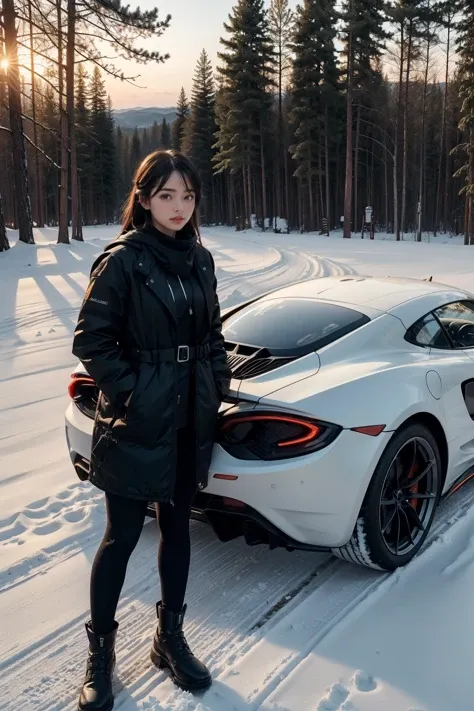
(171, 207)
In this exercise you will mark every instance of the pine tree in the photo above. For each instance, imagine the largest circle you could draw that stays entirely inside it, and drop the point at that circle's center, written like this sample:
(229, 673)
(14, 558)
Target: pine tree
(165, 134)
(123, 142)
(50, 120)
(6, 153)
(282, 29)
(20, 174)
(408, 18)
(103, 156)
(110, 160)
(83, 142)
(364, 33)
(315, 89)
(182, 113)
(155, 136)
(200, 130)
(465, 47)
(244, 130)
(135, 150)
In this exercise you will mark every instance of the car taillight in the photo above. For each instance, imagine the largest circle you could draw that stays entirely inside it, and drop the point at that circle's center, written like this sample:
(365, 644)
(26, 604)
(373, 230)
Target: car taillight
(84, 392)
(270, 435)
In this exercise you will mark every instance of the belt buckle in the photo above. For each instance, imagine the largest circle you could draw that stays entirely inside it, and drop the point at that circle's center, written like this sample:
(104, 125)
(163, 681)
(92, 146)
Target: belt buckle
(183, 358)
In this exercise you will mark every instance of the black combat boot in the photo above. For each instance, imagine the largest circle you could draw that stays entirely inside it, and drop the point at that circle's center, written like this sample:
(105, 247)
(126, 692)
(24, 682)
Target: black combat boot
(96, 694)
(170, 650)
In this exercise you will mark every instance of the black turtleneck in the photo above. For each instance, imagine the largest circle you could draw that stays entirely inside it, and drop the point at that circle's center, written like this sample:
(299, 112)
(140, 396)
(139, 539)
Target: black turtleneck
(175, 254)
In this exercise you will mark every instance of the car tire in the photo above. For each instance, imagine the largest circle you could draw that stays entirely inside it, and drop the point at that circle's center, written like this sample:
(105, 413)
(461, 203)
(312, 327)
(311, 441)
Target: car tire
(373, 541)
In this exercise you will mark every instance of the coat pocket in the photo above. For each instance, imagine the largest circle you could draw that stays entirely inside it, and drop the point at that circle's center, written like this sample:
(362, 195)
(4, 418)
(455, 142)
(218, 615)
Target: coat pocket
(149, 415)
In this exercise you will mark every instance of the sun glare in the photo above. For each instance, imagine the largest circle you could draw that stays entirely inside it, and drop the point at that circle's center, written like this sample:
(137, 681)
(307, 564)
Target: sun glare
(4, 65)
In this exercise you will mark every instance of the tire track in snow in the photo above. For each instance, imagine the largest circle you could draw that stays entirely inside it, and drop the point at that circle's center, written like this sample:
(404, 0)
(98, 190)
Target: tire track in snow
(231, 588)
(240, 622)
(257, 675)
(289, 267)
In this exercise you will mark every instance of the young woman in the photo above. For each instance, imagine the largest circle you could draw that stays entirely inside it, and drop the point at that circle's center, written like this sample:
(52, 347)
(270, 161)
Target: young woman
(149, 334)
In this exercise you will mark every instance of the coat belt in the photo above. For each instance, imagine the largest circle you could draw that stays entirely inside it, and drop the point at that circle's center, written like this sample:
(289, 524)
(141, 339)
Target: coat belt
(180, 354)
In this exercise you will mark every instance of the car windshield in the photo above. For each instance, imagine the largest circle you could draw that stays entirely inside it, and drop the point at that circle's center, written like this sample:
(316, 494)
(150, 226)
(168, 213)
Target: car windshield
(291, 327)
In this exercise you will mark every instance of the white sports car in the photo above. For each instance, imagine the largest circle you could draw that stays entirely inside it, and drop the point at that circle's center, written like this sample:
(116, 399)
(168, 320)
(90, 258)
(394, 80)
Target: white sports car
(350, 415)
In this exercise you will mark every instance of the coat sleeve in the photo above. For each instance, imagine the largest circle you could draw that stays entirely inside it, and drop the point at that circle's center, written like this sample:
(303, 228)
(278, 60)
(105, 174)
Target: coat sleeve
(221, 370)
(97, 334)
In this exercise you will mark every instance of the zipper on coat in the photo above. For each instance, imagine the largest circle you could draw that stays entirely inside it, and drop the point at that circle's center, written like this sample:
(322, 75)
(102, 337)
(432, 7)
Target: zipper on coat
(190, 308)
(171, 290)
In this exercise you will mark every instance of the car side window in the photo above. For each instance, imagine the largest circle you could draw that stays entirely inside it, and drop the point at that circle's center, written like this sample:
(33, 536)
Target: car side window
(458, 321)
(468, 394)
(428, 333)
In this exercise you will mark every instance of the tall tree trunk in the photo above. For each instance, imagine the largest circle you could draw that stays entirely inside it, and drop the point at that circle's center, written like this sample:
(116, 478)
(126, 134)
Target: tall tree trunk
(405, 129)
(309, 227)
(230, 199)
(398, 133)
(264, 180)
(299, 190)
(20, 173)
(326, 157)
(470, 213)
(39, 214)
(443, 133)
(356, 169)
(349, 157)
(249, 194)
(63, 230)
(385, 166)
(76, 227)
(246, 202)
(321, 209)
(447, 167)
(287, 189)
(421, 201)
(279, 156)
(4, 244)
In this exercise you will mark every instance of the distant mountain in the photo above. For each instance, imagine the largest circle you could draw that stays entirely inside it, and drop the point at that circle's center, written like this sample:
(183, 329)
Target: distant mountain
(140, 117)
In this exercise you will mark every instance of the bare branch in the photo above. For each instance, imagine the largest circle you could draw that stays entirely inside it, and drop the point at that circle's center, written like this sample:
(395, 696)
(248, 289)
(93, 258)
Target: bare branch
(38, 123)
(40, 54)
(42, 152)
(43, 78)
(371, 138)
(375, 125)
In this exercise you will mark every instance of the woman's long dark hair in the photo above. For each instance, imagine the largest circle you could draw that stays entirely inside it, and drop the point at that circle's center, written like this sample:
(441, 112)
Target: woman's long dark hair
(150, 177)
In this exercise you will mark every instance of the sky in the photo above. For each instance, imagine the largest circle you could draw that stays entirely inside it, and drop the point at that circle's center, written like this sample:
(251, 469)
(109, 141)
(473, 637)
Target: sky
(195, 25)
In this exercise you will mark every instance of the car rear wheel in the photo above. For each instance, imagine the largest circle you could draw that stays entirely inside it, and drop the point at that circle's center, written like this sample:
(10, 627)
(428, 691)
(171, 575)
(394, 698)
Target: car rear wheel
(400, 503)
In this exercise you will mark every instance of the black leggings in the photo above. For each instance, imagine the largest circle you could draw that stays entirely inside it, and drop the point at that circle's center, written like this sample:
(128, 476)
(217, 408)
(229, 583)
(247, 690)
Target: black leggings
(125, 519)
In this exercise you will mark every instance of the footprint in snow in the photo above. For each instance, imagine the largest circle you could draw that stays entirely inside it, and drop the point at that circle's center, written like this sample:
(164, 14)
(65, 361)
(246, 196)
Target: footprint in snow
(363, 681)
(334, 699)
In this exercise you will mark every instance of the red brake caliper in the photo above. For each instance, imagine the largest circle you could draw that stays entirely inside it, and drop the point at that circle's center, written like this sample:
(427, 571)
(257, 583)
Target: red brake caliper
(414, 489)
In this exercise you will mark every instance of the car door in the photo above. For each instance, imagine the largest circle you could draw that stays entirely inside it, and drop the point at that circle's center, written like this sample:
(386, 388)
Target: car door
(456, 368)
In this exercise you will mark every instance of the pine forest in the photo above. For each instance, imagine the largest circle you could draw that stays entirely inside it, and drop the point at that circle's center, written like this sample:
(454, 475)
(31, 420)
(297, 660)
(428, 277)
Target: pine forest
(310, 115)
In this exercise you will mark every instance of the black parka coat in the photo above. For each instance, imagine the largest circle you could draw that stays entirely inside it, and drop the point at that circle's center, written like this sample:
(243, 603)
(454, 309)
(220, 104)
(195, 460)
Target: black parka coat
(126, 340)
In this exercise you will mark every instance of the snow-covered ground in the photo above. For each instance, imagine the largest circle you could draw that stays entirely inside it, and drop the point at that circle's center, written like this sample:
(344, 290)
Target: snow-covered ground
(280, 631)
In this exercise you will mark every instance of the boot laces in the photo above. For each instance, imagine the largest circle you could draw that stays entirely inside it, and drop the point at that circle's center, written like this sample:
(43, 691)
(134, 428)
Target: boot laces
(97, 664)
(181, 643)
